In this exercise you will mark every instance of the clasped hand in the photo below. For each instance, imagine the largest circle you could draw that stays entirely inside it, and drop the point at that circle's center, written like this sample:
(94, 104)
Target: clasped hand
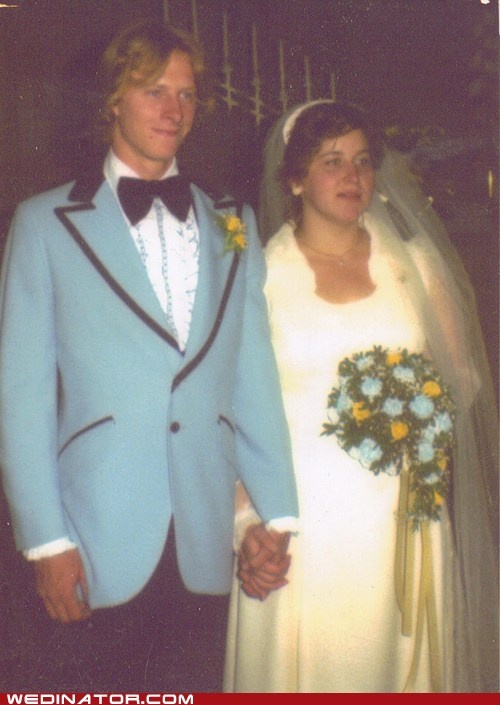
(263, 561)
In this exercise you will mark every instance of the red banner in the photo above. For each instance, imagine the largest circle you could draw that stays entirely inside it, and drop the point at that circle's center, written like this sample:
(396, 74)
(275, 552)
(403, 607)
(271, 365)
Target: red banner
(198, 698)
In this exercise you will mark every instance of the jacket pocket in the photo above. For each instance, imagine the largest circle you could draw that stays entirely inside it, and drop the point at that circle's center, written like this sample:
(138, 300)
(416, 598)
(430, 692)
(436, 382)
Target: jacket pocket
(227, 445)
(82, 431)
(224, 420)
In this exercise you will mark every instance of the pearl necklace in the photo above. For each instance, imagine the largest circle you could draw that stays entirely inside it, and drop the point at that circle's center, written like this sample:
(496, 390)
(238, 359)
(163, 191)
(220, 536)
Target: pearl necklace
(339, 258)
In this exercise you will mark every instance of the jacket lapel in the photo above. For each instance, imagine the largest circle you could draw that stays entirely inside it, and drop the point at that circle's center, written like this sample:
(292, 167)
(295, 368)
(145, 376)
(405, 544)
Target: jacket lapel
(96, 224)
(99, 229)
(217, 271)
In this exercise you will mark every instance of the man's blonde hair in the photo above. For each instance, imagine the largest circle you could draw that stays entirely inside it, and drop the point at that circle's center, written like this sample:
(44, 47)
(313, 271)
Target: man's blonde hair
(137, 56)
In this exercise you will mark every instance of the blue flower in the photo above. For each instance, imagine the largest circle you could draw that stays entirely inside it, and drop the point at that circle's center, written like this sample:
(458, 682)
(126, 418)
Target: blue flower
(344, 402)
(443, 422)
(391, 469)
(371, 386)
(368, 452)
(332, 415)
(432, 478)
(422, 406)
(343, 382)
(392, 406)
(363, 362)
(403, 374)
(425, 452)
(429, 434)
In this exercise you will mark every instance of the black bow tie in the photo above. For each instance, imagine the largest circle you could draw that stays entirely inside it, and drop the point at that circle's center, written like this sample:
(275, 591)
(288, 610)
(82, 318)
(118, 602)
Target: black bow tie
(136, 196)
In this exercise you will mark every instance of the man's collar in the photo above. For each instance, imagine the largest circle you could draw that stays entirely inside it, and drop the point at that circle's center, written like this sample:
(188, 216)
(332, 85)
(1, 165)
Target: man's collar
(87, 185)
(115, 168)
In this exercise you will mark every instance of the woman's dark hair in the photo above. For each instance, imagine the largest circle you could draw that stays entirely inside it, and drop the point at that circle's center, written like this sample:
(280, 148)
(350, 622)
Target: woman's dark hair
(312, 127)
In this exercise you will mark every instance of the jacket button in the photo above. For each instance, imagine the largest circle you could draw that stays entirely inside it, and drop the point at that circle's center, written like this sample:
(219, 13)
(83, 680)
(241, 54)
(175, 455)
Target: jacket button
(175, 426)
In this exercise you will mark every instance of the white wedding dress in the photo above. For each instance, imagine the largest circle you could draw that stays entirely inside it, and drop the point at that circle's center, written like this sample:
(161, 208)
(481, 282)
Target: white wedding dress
(336, 626)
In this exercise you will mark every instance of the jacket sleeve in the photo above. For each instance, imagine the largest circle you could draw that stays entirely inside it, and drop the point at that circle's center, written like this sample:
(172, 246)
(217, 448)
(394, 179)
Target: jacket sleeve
(263, 442)
(28, 383)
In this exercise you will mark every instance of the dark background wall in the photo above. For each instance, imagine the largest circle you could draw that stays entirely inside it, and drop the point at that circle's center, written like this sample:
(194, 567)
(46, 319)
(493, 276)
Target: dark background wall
(416, 64)
(426, 69)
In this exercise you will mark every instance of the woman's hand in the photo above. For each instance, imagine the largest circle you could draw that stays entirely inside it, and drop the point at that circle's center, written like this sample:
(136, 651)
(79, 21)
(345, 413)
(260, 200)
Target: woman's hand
(263, 561)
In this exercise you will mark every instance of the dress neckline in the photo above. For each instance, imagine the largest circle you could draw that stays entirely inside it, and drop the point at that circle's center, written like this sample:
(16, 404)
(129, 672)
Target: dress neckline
(333, 304)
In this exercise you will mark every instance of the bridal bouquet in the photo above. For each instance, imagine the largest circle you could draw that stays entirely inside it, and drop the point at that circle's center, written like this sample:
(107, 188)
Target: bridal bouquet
(391, 410)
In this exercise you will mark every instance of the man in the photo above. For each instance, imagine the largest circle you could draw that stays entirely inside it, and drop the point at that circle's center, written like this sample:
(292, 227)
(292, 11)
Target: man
(137, 385)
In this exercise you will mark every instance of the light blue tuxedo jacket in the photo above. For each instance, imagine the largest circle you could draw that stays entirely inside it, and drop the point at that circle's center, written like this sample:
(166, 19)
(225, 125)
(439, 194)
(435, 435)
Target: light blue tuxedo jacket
(107, 430)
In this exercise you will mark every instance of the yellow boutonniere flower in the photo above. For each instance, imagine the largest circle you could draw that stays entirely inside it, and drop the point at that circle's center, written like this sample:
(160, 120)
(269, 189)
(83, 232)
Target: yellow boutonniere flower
(233, 223)
(399, 430)
(359, 412)
(234, 232)
(432, 389)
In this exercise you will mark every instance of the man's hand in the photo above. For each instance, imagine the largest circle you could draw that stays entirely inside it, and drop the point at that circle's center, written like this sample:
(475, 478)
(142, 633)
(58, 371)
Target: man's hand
(263, 561)
(57, 581)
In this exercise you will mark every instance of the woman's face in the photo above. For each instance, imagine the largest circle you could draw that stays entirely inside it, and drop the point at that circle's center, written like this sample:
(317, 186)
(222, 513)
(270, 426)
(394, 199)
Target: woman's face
(340, 180)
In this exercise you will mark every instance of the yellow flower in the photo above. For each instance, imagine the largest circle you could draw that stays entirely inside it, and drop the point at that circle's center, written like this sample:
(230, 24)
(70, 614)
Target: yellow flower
(233, 223)
(399, 430)
(432, 389)
(359, 412)
(393, 358)
(234, 232)
(240, 240)
(438, 499)
(442, 462)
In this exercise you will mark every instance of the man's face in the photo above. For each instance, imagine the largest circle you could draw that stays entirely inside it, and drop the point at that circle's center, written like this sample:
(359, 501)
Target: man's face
(153, 120)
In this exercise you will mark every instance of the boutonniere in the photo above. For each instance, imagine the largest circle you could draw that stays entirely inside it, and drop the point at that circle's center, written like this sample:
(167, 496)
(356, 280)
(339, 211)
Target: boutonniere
(234, 232)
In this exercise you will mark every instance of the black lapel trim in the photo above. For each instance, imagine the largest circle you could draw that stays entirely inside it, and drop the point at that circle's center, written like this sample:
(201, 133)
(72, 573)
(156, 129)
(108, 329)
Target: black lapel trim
(107, 276)
(213, 333)
(228, 202)
(86, 186)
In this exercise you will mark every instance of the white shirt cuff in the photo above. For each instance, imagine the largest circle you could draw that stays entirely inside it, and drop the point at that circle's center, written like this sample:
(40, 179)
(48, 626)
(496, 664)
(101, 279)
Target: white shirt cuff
(46, 550)
(283, 524)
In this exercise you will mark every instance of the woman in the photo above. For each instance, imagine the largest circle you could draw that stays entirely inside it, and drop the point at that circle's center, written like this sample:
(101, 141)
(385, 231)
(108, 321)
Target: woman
(362, 260)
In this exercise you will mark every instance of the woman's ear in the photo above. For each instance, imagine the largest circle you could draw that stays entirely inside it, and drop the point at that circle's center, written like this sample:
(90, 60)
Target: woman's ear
(296, 188)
